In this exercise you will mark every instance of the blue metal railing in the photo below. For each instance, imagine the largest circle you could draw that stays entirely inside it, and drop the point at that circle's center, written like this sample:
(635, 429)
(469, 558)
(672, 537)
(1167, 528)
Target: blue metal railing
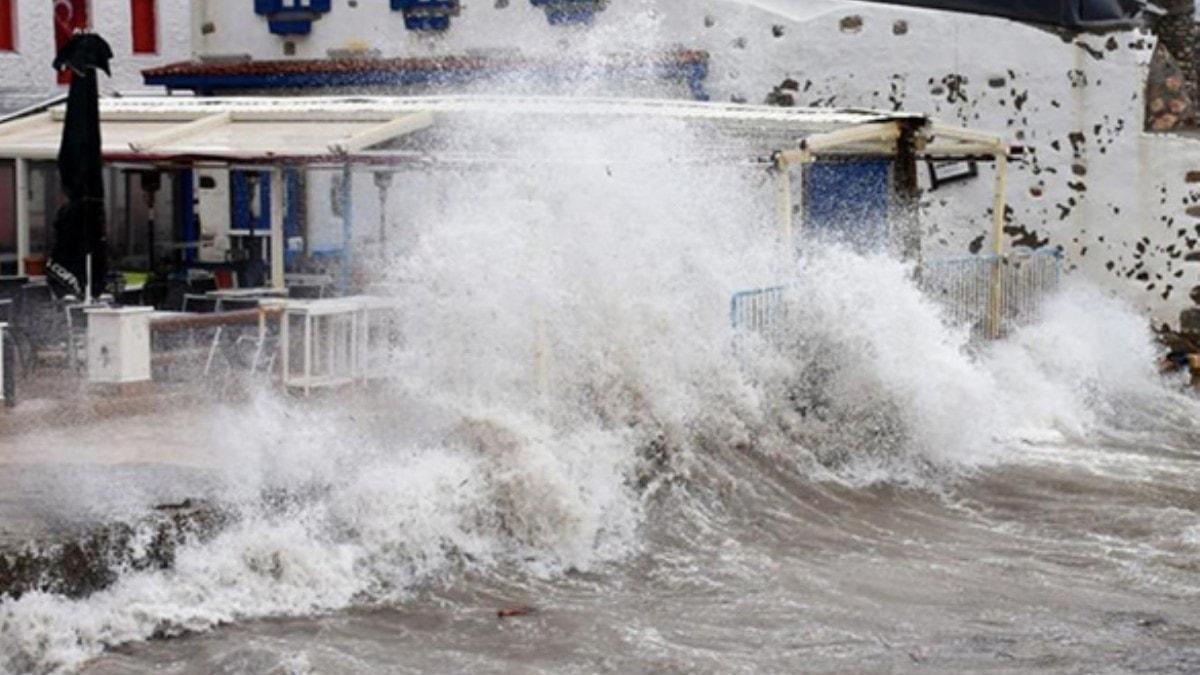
(758, 310)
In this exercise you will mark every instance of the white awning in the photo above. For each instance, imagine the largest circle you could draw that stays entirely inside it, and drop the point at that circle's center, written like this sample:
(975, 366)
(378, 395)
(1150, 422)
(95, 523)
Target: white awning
(132, 131)
(160, 128)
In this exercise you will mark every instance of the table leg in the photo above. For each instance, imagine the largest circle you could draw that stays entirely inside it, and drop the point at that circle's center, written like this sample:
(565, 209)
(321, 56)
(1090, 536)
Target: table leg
(308, 348)
(285, 348)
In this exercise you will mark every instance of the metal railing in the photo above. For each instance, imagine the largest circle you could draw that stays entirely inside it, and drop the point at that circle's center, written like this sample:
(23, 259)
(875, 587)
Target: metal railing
(989, 293)
(758, 310)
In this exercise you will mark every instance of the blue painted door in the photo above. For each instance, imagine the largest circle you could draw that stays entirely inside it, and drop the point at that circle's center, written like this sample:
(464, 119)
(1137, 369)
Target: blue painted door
(245, 219)
(847, 201)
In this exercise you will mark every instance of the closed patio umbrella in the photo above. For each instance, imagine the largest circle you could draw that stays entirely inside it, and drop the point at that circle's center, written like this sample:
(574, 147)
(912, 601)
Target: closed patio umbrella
(79, 228)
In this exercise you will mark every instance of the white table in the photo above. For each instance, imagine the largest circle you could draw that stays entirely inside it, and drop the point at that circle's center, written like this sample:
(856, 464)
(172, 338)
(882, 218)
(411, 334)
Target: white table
(331, 323)
(337, 348)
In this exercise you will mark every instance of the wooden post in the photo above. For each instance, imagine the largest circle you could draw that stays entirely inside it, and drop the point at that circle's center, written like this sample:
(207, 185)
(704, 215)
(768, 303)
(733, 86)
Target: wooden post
(905, 224)
(999, 205)
(783, 201)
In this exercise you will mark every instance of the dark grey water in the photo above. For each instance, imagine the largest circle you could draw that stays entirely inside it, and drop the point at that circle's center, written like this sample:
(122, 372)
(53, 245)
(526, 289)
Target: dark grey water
(1074, 560)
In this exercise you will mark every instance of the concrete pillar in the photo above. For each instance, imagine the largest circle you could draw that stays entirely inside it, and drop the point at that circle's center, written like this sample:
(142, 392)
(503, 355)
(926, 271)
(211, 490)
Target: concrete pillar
(21, 197)
(277, 234)
(119, 345)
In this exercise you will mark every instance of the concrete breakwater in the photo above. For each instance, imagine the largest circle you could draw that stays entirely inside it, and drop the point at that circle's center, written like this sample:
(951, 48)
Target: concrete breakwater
(77, 565)
(90, 493)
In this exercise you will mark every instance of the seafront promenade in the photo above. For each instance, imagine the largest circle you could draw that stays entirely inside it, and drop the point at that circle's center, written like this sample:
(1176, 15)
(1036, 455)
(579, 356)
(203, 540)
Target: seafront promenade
(75, 506)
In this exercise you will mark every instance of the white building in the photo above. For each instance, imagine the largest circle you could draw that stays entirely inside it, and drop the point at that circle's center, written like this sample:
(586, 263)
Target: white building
(142, 33)
(1119, 201)
(1123, 204)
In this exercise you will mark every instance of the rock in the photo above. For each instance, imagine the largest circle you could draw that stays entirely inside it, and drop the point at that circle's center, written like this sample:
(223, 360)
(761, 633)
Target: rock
(82, 565)
(1164, 122)
(851, 24)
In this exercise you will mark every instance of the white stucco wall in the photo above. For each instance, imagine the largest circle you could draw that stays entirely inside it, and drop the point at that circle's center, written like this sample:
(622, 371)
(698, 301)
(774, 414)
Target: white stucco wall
(26, 75)
(1114, 198)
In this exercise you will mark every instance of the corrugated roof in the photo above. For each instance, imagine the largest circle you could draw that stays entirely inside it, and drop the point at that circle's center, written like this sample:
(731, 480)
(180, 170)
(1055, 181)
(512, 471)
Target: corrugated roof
(211, 77)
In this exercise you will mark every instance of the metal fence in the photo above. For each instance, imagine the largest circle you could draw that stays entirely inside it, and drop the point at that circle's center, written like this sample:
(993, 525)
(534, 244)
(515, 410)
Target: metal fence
(989, 293)
(759, 310)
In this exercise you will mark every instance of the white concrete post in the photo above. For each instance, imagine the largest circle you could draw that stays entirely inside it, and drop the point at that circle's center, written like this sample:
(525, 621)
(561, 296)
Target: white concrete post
(118, 345)
(22, 199)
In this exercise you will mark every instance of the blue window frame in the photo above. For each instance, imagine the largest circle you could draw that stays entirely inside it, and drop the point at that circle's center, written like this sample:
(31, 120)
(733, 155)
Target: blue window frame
(291, 17)
(426, 15)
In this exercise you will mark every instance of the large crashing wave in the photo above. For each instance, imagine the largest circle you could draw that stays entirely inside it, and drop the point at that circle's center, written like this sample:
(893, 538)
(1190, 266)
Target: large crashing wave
(567, 357)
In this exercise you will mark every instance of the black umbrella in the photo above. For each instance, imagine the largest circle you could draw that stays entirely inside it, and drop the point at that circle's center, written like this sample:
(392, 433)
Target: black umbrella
(79, 229)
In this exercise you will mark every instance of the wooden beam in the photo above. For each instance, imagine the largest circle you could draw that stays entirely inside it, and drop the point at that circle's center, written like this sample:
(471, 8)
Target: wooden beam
(59, 114)
(179, 131)
(395, 128)
(19, 125)
(862, 133)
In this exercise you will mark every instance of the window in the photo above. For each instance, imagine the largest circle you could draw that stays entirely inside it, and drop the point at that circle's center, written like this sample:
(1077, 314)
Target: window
(8, 26)
(69, 16)
(144, 19)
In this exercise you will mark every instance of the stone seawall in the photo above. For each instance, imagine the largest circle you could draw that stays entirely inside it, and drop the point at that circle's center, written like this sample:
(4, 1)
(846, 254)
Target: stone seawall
(81, 564)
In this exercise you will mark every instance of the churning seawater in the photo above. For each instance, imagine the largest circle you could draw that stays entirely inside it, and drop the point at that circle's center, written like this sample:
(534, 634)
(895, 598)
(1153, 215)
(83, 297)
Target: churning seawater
(568, 426)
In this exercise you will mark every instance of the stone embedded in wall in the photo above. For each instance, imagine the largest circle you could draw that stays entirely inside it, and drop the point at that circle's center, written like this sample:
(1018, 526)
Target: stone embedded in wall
(784, 95)
(1169, 94)
(851, 24)
(1176, 31)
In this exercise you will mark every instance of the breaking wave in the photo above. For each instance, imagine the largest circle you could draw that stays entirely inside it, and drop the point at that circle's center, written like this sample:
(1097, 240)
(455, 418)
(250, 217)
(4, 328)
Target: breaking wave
(568, 376)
